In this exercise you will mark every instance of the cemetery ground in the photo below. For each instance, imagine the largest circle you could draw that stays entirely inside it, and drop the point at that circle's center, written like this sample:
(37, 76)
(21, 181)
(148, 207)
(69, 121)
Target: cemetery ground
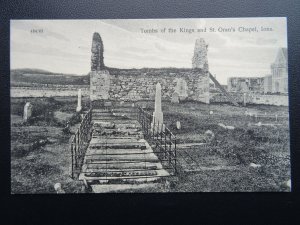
(236, 153)
(40, 155)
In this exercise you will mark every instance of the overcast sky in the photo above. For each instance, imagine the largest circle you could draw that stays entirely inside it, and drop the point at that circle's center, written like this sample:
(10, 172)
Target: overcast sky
(64, 46)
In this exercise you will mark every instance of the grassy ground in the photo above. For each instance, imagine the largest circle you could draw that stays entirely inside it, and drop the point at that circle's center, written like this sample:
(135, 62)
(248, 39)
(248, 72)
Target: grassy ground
(224, 163)
(40, 155)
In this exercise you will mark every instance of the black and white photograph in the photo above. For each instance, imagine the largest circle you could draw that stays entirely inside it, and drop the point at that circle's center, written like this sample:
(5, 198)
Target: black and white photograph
(149, 105)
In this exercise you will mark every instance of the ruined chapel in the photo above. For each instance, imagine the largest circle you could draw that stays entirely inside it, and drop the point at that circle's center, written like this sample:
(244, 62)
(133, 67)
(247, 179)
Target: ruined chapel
(192, 84)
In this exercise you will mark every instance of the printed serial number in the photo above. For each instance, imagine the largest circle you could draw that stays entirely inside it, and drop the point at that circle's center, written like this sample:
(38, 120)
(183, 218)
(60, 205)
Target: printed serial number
(36, 31)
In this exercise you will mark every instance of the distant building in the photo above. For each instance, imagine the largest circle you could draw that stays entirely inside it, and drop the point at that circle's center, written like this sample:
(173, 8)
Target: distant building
(245, 84)
(279, 70)
(276, 82)
(268, 84)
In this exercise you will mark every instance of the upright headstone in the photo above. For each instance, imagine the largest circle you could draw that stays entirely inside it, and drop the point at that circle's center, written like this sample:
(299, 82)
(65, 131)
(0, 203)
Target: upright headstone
(157, 123)
(178, 125)
(181, 88)
(27, 111)
(175, 97)
(78, 109)
(245, 99)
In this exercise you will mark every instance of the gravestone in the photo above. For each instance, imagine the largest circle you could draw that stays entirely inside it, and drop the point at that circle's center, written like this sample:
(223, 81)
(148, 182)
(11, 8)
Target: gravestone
(79, 108)
(178, 125)
(27, 111)
(175, 97)
(245, 99)
(157, 114)
(181, 88)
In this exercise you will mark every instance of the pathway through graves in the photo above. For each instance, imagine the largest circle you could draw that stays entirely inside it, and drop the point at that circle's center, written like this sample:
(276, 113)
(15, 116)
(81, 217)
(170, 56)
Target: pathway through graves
(118, 157)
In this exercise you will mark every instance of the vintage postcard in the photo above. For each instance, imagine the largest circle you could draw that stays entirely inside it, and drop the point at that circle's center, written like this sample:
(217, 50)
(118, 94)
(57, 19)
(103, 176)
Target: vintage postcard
(149, 105)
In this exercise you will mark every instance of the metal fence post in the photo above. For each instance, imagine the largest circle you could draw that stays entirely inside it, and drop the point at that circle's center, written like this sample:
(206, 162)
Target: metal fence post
(175, 154)
(72, 161)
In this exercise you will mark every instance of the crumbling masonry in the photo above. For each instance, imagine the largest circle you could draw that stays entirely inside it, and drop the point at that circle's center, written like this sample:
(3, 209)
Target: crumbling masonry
(104, 85)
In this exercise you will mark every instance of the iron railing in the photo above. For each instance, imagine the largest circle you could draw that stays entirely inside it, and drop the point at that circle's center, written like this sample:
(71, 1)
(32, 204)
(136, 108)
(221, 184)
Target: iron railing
(79, 143)
(159, 136)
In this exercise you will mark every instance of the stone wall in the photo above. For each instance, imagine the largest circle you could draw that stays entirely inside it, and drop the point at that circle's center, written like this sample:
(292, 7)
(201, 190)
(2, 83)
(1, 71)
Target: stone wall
(67, 90)
(245, 84)
(279, 100)
(99, 85)
(142, 87)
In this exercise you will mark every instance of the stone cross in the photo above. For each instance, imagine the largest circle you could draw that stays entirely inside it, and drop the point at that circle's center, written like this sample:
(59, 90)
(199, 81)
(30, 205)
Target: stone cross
(157, 114)
(27, 111)
(78, 109)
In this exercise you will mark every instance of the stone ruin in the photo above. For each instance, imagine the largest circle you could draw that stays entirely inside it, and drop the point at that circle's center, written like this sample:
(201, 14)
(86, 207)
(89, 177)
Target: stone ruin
(181, 88)
(99, 76)
(192, 84)
(97, 59)
(199, 60)
(175, 97)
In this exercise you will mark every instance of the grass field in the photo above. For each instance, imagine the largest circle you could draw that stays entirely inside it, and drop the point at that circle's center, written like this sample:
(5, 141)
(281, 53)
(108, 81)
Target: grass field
(223, 164)
(40, 155)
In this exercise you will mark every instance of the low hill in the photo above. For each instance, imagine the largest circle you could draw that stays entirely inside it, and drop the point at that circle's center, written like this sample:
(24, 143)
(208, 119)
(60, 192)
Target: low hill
(29, 76)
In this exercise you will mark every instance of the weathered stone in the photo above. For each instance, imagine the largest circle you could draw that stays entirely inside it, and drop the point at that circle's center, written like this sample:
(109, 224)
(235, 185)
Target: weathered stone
(27, 111)
(97, 59)
(254, 165)
(178, 125)
(100, 85)
(79, 108)
(107, 104)
(157, 114)
(199, 60)
(193, 84)
(175, 97)
(289, 183)
(181, 88)
(226, 127)
(209, 135)
(245, 99)
(58, 188)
